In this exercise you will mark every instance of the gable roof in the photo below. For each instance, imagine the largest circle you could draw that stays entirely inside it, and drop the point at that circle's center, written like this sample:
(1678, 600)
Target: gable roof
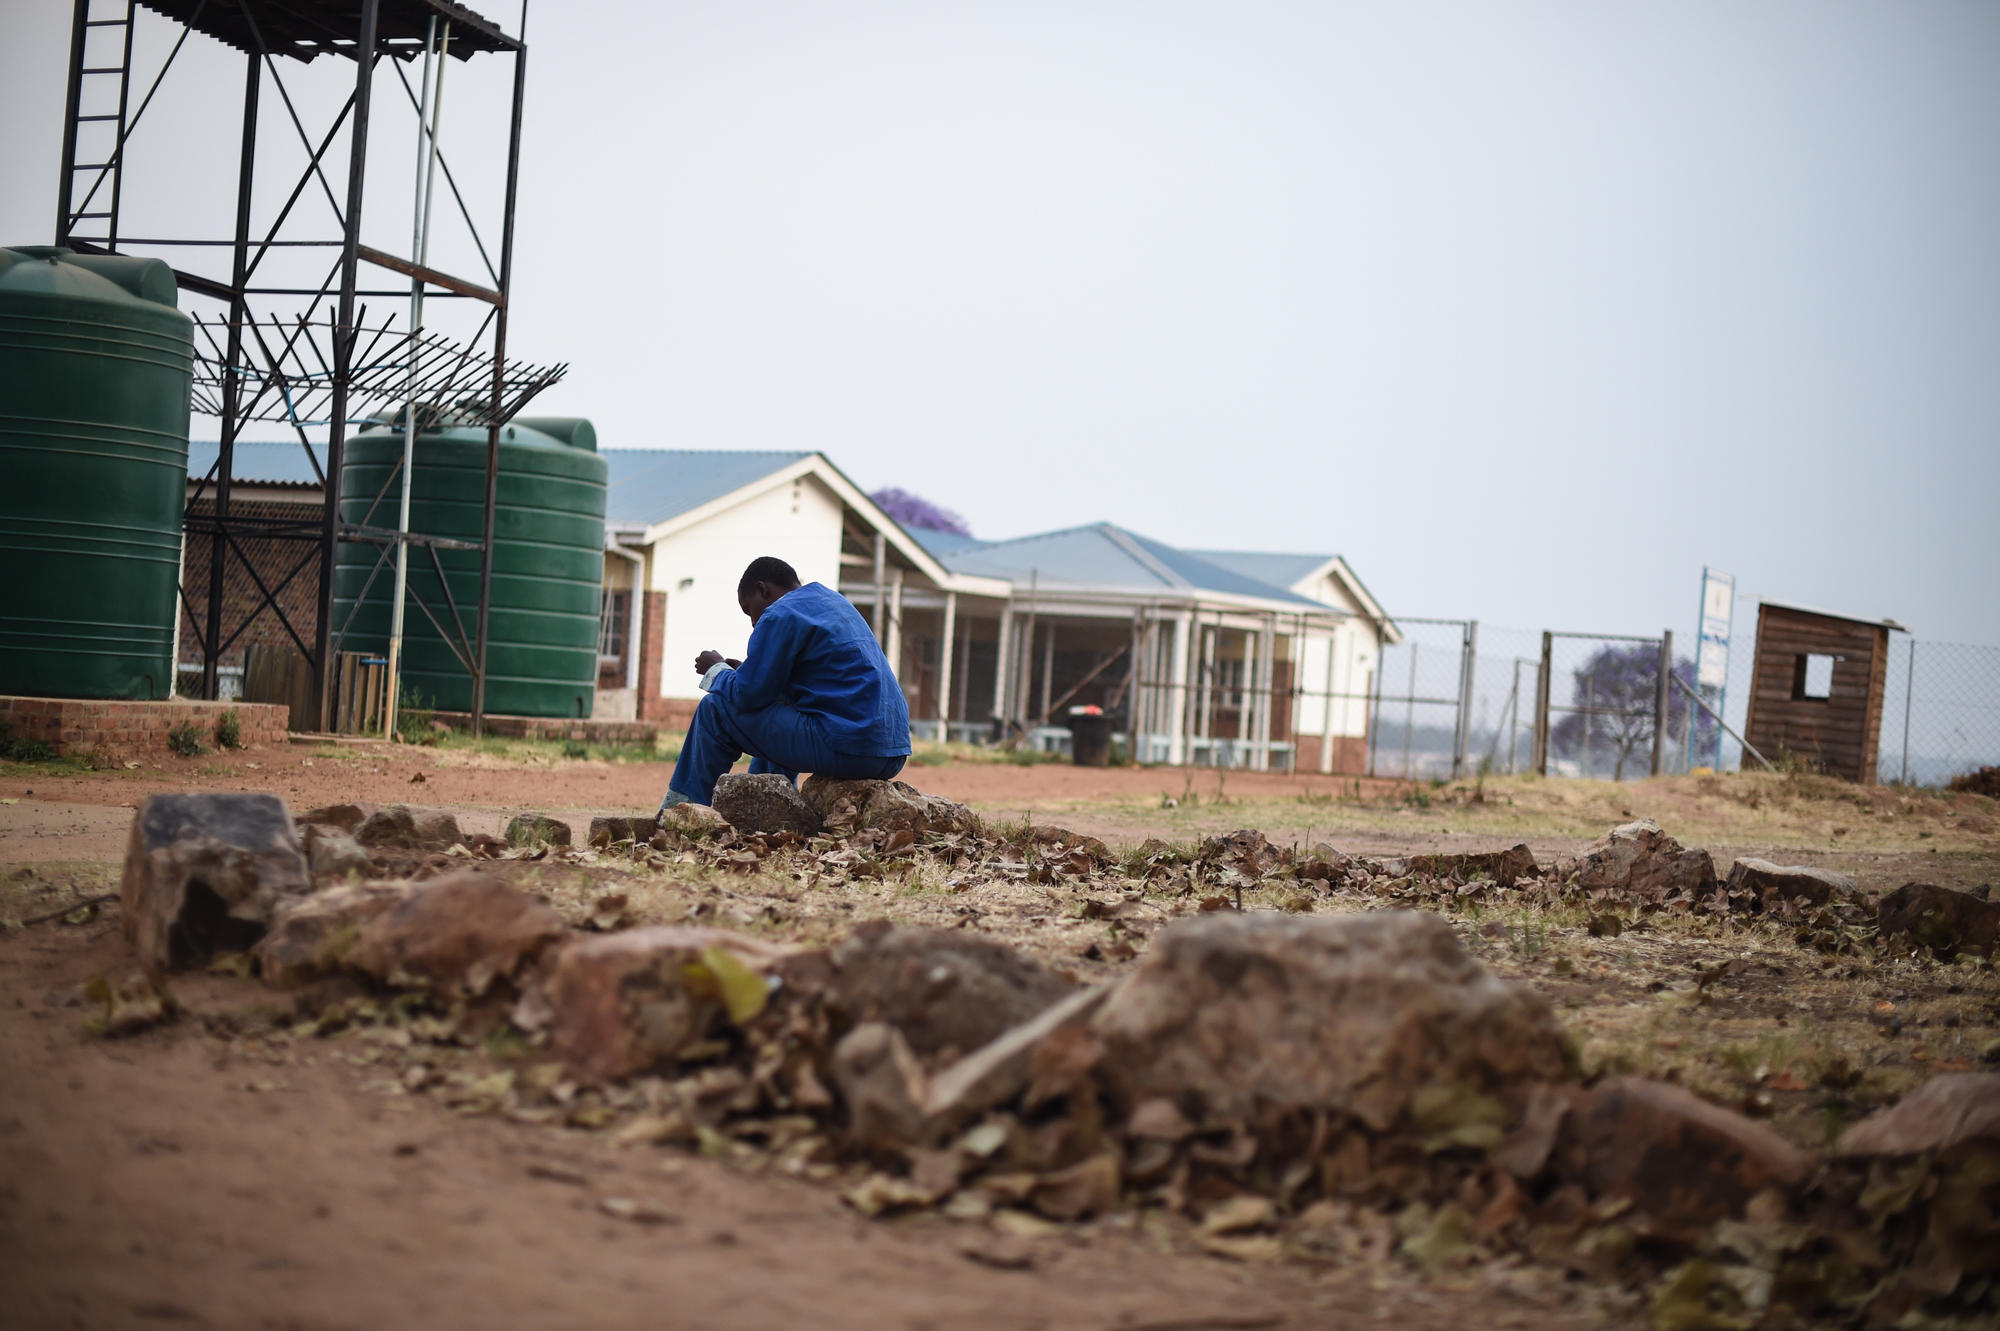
(1104, 555)
(648, 486)
(1288, 570)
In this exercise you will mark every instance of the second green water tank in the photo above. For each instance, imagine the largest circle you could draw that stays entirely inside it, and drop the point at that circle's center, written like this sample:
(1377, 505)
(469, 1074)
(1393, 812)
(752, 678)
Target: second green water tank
(548, 562)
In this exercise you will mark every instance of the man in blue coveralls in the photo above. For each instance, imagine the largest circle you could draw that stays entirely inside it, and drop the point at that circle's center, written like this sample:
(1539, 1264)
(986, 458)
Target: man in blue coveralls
(812, 694)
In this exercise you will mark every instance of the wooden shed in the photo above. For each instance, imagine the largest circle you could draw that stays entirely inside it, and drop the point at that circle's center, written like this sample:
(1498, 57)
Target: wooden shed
(1817, 690)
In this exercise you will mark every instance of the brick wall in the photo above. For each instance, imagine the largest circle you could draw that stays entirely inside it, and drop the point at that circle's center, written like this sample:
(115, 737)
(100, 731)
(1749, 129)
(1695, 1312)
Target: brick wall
(116, 728)
(589, 731)
(652, 647)
(1350, 753)
(273, 560)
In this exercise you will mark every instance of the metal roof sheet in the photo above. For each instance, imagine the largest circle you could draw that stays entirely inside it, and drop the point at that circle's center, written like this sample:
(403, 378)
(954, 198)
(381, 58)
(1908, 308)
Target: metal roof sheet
(942, 543)
(651, 485)
(304, 29)
(1280, 570)
(258, 462)
(1105, 555)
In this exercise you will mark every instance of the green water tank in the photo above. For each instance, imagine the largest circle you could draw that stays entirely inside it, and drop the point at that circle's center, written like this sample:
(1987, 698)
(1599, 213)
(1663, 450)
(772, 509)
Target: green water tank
(548, 562)
(95, 368)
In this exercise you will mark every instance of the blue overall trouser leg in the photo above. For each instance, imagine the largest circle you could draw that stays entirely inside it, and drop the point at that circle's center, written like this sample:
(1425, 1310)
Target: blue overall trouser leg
(779, 739)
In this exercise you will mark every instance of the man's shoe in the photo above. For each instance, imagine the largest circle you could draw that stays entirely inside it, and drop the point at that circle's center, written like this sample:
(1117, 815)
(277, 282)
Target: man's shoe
(672, 799)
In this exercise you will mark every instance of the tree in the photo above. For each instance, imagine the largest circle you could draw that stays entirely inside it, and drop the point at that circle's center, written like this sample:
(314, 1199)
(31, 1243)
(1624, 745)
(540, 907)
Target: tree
(916, 511)
(1616, 686)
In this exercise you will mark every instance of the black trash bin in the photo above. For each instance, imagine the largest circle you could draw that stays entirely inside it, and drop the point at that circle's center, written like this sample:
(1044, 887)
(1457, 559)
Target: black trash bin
(1089, 737)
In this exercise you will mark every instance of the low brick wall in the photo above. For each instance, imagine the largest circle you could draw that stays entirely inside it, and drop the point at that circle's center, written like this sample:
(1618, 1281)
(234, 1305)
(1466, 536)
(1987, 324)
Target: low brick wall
(583, 730)
(122, 728)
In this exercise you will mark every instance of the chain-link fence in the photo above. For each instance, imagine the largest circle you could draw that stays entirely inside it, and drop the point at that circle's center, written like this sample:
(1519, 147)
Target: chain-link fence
(1940, 708)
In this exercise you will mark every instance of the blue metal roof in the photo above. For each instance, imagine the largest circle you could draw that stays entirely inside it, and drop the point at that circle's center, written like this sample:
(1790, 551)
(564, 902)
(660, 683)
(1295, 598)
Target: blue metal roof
(1279, 570)
(257, 462)
(1107, 556)
(942, 543)
(649, 485)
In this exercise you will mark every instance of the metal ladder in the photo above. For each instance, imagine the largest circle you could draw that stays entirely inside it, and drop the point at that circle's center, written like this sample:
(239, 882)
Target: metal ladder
(90, 190)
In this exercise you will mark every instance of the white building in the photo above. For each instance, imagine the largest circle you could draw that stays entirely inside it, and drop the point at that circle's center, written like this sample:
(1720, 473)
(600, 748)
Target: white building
(1223, 657)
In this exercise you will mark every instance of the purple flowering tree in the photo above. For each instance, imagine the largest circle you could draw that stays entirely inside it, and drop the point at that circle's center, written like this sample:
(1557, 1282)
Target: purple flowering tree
(1616, 684)
(916, 511)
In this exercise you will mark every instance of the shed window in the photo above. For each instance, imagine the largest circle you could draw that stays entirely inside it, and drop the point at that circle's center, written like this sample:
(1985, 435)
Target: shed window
(1812, 677)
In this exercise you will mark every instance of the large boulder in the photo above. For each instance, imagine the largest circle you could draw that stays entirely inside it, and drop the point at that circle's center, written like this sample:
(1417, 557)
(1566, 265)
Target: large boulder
(1639, 863)
(1940, 918)
(846, 807)
(1681, 1162)
(204, 874)
(1941, 1115)
(1233, 1016)
(457, 933)
(619, 1004)
(403, 827)
(310, 936)
(1775, 888)
(764, 802)
(948, 993)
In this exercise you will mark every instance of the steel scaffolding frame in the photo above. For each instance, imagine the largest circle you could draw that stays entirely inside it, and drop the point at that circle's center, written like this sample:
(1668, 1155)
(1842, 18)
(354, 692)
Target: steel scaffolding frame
(308, 356)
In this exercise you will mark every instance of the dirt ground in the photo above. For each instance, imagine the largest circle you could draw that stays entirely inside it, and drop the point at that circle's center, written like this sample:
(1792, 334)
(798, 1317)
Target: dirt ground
(201, 1174)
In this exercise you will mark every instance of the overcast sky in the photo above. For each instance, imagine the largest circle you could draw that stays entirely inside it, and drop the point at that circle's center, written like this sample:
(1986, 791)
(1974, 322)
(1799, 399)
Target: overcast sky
(1530, 310)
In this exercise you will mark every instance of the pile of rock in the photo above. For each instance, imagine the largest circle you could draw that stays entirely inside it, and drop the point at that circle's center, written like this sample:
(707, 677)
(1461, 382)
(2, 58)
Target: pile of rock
(1256, 1073)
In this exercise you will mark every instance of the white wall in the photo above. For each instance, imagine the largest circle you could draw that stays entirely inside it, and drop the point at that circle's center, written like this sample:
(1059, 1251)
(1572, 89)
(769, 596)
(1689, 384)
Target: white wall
(1355, 649)
(698, 567)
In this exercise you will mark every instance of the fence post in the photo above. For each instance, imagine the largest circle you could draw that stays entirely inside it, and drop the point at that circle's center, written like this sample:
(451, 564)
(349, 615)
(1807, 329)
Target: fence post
(1467, 662)
(1909, 690)
(1660, 699)
(1542, 706)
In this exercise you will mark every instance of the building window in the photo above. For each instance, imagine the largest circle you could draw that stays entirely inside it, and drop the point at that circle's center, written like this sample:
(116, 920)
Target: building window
(611, 628)
(1812, 677)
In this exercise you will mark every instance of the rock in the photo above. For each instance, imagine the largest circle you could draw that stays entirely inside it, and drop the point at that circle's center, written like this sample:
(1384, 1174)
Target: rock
(883, 1087)
(457, 933)
(693, 820)
(608, 831)
(948, 992)
(1502, 866)
(401, 827)
(997, 1072)
(1237, 1016)
(1682, 1162)
(1638, 862)
(1940, 918)
(536, 829)
(1944, 1113)
(764, 802)
(345, 817)
(311, 936)
(619, 1004)
(205, 873)
(847, 807)
(1774, 887)
(332, 853)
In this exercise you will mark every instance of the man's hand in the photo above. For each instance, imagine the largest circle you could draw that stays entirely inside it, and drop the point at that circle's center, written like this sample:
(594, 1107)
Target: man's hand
(709, 660)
